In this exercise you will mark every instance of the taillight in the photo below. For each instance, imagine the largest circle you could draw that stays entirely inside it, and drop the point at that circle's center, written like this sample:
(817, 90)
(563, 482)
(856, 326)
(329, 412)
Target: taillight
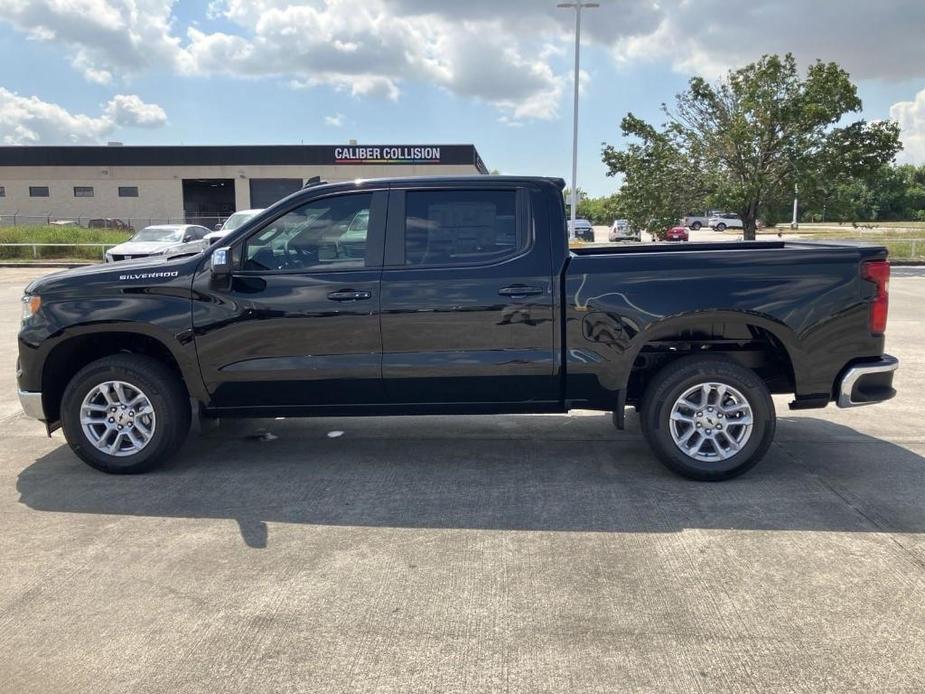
(878, 272)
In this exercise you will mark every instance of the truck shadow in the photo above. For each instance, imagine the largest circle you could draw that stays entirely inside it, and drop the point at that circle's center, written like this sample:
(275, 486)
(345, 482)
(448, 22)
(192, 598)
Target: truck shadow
(549, 473)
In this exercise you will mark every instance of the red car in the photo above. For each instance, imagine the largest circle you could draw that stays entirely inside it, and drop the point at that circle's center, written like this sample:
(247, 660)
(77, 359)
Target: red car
(677, 234)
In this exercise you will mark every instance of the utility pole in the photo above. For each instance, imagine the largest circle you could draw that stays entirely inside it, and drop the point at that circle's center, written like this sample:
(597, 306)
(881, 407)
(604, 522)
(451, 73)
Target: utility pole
(796, 192)
(578, 7)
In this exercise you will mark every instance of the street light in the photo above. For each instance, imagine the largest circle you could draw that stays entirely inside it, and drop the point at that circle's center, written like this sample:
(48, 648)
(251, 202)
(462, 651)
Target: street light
(795, 224)
(578, 7)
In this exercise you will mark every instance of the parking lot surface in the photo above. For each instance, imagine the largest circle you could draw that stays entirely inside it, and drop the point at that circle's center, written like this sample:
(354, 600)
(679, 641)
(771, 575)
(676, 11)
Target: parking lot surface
(470, 554)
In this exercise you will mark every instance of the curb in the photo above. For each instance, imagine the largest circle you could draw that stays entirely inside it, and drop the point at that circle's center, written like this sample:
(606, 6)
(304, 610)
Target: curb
(47, 264)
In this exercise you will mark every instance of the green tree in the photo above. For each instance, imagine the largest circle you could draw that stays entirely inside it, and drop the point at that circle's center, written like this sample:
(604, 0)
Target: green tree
(661, 183)
(754, 135)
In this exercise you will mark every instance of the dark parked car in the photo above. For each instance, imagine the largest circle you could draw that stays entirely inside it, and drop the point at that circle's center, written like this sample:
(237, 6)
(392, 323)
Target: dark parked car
(583, 230)
(453, 295)
(108, 223)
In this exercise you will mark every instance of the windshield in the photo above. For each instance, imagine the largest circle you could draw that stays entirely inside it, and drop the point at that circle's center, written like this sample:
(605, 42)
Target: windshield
(238, 218)
(158, 234)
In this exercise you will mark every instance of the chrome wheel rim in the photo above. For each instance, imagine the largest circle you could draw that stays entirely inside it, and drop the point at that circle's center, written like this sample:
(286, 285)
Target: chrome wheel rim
(711, 422)
(117, 418)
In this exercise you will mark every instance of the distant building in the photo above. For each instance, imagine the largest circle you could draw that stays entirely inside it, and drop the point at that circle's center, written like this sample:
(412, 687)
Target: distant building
(197, 184)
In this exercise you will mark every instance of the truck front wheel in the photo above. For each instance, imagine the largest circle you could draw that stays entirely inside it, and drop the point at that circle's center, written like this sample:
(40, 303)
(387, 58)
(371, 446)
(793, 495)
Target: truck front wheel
(708, 418)
(125, 413)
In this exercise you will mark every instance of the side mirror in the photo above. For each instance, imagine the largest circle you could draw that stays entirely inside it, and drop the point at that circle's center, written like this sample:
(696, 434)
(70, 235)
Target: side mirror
(220, 262)
(217, 227)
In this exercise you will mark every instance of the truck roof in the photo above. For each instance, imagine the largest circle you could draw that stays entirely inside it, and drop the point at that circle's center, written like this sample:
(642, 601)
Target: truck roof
(477, 179)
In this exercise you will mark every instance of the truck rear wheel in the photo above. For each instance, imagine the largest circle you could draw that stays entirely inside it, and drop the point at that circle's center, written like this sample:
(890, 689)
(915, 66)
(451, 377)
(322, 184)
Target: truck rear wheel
(708, 418)
(125, 414)
(696, 226)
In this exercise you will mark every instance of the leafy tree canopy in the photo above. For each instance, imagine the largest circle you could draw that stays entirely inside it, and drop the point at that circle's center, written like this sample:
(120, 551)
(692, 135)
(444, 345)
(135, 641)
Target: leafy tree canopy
(744, 142)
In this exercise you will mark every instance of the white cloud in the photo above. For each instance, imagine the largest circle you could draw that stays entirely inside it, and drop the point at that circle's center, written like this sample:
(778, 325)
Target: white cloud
(105, 38)
(128, 110)
(514, 54)
(911, 118)
(370, 49)
(872, 40)
(335, 121)
(29, 120)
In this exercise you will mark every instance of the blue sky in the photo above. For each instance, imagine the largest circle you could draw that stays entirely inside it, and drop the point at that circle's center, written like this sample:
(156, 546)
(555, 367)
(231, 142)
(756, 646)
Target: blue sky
(418, 71)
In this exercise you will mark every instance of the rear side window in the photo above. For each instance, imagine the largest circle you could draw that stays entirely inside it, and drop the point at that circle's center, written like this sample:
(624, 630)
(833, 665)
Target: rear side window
(453, 227)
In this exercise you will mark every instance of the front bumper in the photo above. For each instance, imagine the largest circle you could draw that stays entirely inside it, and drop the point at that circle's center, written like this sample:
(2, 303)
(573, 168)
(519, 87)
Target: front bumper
(867, 383)
(31, 404)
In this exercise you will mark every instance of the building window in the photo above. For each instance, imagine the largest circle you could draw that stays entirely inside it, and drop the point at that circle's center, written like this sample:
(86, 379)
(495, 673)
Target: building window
(83, 191)
(38, 191)
(2, 191)
(128, 191)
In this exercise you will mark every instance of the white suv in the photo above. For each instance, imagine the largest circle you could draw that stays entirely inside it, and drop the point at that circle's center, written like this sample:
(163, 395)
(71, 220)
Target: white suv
(724, 221)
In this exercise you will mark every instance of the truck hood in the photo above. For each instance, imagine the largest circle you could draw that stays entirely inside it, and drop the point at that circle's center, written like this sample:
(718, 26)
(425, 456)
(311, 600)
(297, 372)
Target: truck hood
(147, 271)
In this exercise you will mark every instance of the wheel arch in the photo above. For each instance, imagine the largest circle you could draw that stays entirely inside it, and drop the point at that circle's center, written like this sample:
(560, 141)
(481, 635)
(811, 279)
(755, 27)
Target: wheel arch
(746, 337)
(83, 346)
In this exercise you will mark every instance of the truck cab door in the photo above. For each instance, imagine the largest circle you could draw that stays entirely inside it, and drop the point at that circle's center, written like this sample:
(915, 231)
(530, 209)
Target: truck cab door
(297, 322)
(468, 299)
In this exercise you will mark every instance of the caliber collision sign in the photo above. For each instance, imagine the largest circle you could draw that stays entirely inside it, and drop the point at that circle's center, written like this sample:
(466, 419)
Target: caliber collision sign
(387, 154)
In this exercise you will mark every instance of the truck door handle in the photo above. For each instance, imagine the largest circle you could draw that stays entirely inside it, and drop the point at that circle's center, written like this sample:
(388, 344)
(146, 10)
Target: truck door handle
(516, 291)
(349, 295)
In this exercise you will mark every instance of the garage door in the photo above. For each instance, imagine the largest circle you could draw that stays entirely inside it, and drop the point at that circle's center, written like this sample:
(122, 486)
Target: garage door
(266, 191)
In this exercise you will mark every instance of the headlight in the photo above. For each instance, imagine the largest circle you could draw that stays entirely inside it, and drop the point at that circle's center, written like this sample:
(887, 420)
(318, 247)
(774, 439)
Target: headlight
(30, 304)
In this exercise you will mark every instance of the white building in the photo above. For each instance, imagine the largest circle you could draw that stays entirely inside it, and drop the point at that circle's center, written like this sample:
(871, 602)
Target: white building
(198, 184)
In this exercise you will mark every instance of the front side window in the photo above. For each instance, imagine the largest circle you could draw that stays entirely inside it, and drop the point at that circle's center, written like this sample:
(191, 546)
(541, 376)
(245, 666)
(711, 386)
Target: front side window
(452, 227)
(325, 234)
(38, 191)
(83, 191)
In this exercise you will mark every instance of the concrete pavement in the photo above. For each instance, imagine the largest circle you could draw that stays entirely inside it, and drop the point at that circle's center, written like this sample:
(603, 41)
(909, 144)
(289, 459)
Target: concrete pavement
(470, 554)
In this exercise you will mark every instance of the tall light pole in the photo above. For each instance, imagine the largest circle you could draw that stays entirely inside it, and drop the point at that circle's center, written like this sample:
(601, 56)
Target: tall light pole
(795, 224)
(578, 7)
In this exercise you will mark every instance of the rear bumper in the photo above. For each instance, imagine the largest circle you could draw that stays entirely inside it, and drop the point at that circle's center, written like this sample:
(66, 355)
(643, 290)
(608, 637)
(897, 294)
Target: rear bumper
(867, 383)
(31, 404)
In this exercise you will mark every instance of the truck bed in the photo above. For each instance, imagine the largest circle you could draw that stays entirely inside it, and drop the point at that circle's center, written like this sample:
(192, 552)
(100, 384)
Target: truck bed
(805, 296)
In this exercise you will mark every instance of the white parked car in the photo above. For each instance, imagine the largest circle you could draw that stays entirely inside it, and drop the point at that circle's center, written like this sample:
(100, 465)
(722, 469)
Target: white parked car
(695, 221)
(724, 221)
(155, 240)
(622, 230)
(232, 223)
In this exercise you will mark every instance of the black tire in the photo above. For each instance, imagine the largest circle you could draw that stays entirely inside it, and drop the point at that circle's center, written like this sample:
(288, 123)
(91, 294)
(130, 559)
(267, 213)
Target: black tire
(721, 227)
(696, 226)
(678, 377)
(164, 391)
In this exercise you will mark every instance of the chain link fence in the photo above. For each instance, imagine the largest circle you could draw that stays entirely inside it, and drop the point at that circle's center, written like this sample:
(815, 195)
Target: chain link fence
(14, 219)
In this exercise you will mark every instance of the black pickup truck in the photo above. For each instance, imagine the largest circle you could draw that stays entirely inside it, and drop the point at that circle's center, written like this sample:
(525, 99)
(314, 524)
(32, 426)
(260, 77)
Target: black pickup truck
(453, 295)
